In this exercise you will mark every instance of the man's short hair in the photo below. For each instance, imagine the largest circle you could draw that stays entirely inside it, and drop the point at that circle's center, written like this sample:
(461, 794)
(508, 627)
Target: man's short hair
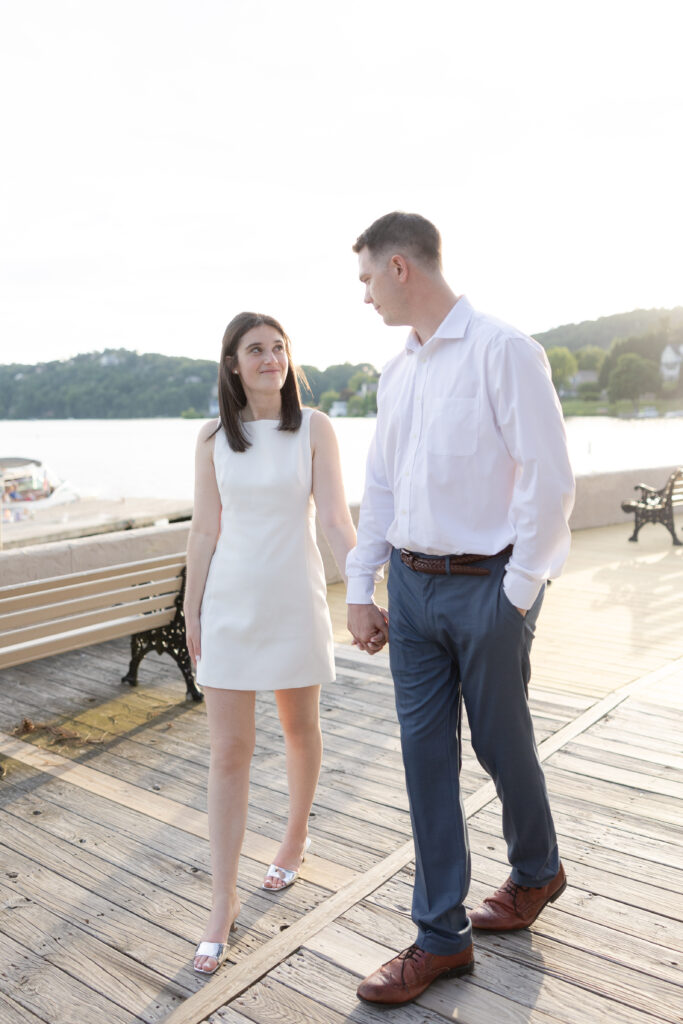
(403, 232)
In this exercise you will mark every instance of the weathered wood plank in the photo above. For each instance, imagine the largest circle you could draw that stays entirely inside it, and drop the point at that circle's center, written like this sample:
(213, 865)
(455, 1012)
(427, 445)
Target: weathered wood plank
(226, 988)
(125, 890)
(315, 869)
(610, 844)
(462, 999)
(48, 993)
(160, 948)
(640, 782)
(663, 932)
(161, 868)
(270, 1002)
(347, 945)
(486, 839)
(658, 809)
(126, 982)
(226, 1015)
(311, 990)
(12, 1012)
(632, 892)
(337, 837)
(626, 754)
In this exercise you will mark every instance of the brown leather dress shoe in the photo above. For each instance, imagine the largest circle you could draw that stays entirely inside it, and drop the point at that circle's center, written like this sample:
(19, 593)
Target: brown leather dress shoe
(516, 906)
(410, 973)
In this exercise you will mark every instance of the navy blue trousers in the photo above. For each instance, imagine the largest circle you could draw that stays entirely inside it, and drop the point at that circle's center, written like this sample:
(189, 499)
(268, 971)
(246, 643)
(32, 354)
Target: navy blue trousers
(455, 638)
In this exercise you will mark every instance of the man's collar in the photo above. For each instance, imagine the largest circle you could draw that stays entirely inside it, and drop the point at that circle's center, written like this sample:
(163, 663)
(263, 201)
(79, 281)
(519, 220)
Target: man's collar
(453, 326)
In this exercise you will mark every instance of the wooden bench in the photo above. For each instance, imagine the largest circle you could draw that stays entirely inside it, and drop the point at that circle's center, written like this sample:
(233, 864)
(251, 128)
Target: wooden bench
(657, 506)
(143, 600)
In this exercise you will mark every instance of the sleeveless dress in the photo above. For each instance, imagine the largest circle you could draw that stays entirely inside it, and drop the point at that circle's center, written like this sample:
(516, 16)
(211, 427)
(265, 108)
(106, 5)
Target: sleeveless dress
(265, 623)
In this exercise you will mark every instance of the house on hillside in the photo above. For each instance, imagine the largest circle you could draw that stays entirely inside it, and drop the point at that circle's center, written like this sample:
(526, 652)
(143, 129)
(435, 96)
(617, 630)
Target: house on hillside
(584, 377)
(339, 408)
(368, 387)
(670, 362)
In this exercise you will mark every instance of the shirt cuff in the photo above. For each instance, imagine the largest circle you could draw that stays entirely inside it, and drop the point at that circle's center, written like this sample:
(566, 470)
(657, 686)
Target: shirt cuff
(360, 589)
(519, 590)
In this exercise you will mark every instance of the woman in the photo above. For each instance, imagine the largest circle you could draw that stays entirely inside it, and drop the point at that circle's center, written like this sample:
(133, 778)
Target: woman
(255, 603)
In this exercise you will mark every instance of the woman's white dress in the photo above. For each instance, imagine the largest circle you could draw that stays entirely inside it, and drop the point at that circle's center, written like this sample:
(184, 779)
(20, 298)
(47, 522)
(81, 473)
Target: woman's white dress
(265, 623)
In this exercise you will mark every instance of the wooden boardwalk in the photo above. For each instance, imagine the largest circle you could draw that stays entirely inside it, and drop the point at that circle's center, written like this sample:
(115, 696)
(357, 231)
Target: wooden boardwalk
(104, 884)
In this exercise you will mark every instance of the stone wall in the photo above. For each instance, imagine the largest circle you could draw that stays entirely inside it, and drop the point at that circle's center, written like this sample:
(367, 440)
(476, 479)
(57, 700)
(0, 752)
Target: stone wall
(599, 496)
(598, 503)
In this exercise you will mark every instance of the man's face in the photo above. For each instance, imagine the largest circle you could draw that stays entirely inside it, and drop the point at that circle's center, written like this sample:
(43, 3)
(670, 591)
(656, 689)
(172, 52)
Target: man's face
(382, 287)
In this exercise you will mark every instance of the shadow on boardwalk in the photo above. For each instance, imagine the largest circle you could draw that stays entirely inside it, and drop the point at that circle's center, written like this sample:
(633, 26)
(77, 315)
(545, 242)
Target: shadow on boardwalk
(104, 885)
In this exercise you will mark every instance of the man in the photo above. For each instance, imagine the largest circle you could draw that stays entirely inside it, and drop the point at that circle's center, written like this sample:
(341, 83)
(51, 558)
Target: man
(468, 493)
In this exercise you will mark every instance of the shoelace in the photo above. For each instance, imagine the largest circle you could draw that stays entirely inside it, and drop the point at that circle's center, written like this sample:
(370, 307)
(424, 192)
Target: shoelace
(512, 888)
(411, 953)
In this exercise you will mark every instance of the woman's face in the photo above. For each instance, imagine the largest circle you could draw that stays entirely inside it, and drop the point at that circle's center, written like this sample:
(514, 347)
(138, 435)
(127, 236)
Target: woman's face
(262, 361)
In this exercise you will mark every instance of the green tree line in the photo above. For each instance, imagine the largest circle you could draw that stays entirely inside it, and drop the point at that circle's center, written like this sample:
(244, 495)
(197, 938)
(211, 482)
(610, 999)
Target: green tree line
(115, 384)
(629, 369)
(602, 332)
(119, 384)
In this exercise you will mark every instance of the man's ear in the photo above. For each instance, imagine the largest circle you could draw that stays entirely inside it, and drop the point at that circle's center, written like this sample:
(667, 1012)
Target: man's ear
(399, 266)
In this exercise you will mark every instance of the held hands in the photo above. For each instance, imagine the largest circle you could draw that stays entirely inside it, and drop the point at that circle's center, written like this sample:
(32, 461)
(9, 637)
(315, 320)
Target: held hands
(369, 626)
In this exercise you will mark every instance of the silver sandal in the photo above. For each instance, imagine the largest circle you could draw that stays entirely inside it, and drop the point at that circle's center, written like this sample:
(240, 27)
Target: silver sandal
(217, 950)
(282, 874)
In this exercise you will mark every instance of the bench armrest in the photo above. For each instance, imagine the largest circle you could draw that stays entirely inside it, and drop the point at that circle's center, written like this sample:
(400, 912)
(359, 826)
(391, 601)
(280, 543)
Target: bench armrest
(646, 490)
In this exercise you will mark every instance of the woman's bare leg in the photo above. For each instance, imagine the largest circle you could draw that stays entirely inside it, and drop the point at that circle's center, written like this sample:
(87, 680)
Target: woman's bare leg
(300, 718)
(231, 731)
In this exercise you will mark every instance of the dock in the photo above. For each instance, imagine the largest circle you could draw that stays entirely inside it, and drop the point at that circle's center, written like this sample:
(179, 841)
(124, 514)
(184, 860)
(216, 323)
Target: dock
(105, 887)
(88, 517)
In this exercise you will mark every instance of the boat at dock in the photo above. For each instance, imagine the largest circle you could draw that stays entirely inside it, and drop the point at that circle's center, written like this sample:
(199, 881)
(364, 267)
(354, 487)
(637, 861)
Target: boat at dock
(26, 484)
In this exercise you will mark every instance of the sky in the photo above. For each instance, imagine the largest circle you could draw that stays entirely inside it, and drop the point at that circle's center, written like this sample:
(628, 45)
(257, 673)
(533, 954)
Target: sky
(168, 164)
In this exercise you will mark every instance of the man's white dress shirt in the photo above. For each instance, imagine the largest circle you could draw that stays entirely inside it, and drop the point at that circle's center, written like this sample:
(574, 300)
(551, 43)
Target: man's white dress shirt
(469, 455)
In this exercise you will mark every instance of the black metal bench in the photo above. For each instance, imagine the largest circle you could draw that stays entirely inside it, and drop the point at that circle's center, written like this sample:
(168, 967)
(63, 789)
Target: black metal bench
(655, 506)
(143, 600)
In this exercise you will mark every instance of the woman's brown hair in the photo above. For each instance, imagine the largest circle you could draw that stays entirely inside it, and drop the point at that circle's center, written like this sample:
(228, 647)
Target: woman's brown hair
(231, 396)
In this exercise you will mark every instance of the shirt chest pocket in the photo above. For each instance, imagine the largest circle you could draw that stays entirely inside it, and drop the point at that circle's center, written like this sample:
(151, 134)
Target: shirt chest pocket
(452, 426)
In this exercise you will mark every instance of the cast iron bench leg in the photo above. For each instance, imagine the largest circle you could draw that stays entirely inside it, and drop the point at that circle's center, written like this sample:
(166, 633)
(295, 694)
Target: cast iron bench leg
(669, 523)
(168, 639)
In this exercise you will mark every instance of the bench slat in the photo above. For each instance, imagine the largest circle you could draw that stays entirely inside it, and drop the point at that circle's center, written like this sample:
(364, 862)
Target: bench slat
(57, 610)
(169, 573)
(66, 592)
(19, 654)
(130, 611)
(121, 569)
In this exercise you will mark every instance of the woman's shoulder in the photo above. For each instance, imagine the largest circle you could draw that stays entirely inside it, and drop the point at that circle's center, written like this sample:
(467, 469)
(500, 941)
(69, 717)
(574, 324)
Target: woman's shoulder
(322, 430)
(318, 420)
(207, 431)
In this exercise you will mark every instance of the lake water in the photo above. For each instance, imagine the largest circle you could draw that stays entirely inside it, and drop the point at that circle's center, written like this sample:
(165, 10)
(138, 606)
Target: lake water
(154, 457)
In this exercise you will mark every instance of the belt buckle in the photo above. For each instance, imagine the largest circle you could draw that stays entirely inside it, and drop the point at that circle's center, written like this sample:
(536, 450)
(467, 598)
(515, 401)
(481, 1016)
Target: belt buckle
(408, 557)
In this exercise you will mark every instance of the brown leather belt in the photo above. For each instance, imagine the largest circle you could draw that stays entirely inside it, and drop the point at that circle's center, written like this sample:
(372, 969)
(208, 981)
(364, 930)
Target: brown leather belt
(444, 565)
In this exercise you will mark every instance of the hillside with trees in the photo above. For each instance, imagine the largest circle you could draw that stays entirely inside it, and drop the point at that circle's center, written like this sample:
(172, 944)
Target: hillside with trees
(115, 384)
(119, 384)
(602, 332)
(629, 369)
